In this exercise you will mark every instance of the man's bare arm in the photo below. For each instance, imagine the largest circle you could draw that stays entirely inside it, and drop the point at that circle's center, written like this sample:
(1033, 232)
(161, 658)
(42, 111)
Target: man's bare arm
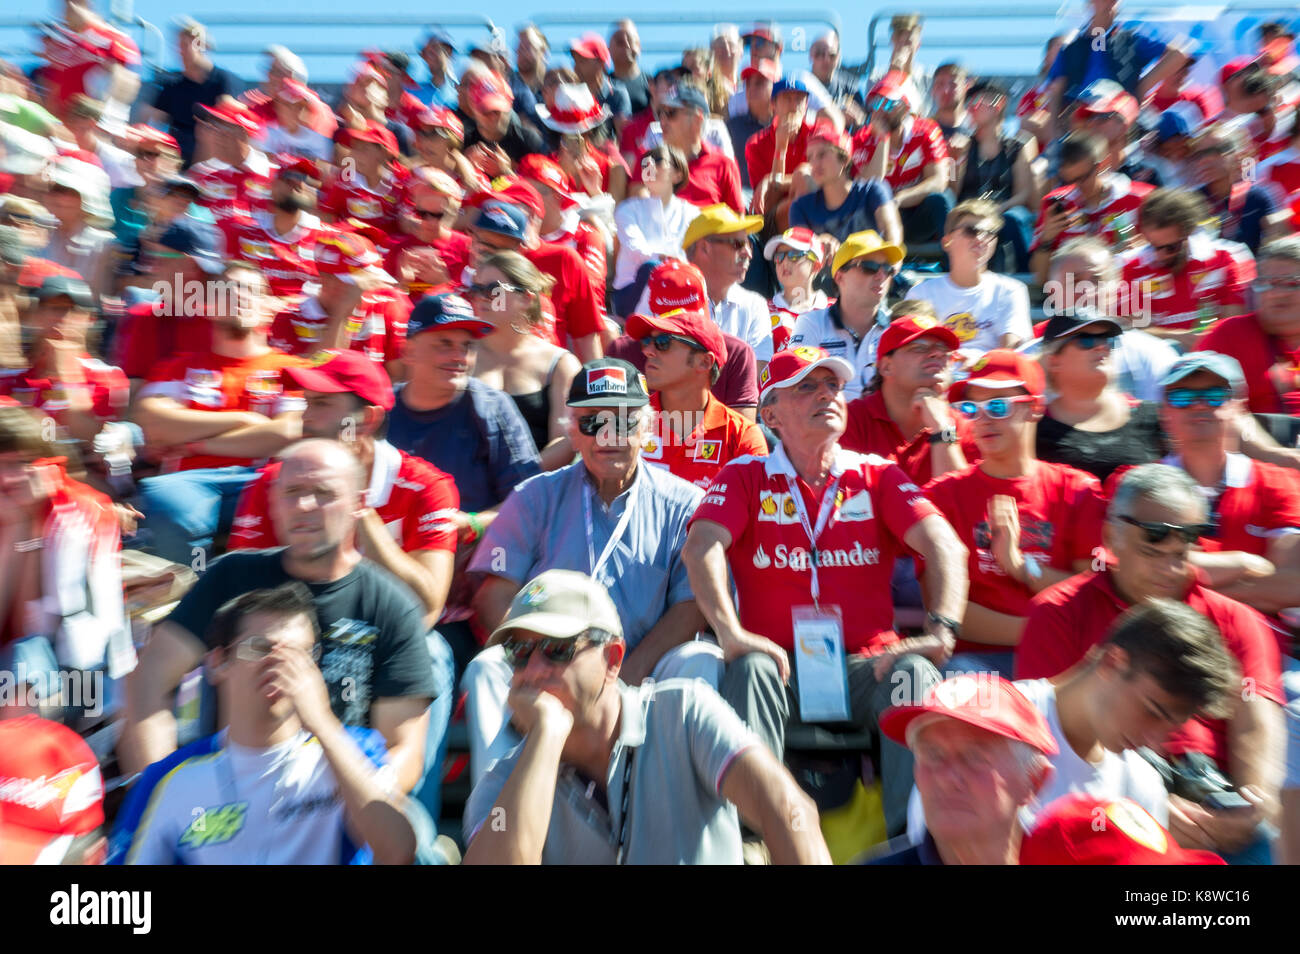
(492, 600)
(770, 800)
(403, 721)
(678, 625)
(149, 729)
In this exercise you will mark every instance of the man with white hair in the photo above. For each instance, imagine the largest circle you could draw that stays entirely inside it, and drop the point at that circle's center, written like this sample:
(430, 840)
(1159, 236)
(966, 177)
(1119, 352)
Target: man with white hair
(605, 515)
(982, 752)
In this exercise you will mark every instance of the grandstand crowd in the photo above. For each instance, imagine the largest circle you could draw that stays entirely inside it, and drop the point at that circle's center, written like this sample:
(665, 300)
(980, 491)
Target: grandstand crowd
(522, 457)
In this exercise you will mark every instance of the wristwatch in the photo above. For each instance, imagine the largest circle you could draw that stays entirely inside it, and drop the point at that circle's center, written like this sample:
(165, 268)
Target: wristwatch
(945, 435)
(951, 625)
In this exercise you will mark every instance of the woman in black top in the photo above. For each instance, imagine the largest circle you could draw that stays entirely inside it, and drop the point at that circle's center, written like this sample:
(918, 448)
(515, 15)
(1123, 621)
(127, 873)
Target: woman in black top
(1091, 424)
(508, 291)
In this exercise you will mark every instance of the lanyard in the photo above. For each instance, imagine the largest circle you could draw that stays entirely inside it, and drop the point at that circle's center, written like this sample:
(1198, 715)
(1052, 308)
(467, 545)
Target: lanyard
(619, 529)
(823, 517)
(627, 792)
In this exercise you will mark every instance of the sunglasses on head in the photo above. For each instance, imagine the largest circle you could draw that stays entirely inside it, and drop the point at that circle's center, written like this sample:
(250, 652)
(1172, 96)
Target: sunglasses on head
(592, 423)
(663, 341)
(995, 409)
(257, 648)
(519, 651)
(790, 255)
(488, 289)
(1159, 532)
(866, 265)
(1186, 397)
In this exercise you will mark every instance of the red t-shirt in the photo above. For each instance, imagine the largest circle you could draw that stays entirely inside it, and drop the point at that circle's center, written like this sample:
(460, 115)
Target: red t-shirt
(213, 382)
(578, 312)
(1061, 513)
(234, 190)
(1216, 274)
(453, 250)
(1068, 619)
(589, 242)
(110, 391)
(1280, 176)
(721, 436)
(714, 178)
(630, 141)
(1114, 220)
(923, 146)
(75, 60)
(288, 261)
(769, 553)
(871, 430)
(416, 501)
(1258, 353)
(348, 196)
(377, 326)
(760, 152)
(1204, 98)
(146, 338)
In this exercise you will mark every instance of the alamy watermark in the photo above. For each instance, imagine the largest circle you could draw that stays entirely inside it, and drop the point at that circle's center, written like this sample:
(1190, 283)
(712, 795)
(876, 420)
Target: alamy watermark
(1069, 296)
(33, 688)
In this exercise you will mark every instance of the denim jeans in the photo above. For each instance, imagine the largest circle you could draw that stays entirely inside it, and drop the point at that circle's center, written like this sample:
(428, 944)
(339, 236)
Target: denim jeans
(185, 511)
(428, 791)
(1018, 232)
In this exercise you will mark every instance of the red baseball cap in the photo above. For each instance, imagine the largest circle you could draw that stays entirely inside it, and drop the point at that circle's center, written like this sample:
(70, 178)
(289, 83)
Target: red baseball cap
(788, 368)
(236, 114)
(893, 85)
(290, 163)
(761, 67)
(292, 91)
(344, 372)
(345, 253)
(51, 790)
(490, 94)
(826, 131)
(908, 328)
(547, 171)
(1082, 829)
(986, 701)
(1119, 102)
(439, 117)
(513, 191)
(141, 133)
(696, 325)
(1000, 369)
(796, 238)
(676, 284)
(592, 47)
(377, 133)
(1235, 66)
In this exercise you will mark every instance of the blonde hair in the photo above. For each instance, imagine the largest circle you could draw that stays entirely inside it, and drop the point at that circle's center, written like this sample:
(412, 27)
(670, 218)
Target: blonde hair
(520, 271)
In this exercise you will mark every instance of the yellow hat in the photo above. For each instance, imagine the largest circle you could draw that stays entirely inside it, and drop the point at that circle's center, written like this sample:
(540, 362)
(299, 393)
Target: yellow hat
(719, 220)
(865, 243)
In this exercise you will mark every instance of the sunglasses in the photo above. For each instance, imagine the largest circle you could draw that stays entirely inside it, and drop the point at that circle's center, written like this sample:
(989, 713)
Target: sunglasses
(736, 243)
(878, 103)
(975, 232)
(663, 341)
(866, 265)
(790, 255)
(1159, 532)
(654, 161)
(518, 652)
(488, 289)
(1277, 284)
(995, 409)
(257, 648)
(431, 213)
(147, 155)
(1170, 248)
(1089, 341)
(1186, 397)
(592, 423)
(811, 387)
(668, 112)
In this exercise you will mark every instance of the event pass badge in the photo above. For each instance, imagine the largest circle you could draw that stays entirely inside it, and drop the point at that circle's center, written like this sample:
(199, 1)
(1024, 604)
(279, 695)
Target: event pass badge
(820, 667)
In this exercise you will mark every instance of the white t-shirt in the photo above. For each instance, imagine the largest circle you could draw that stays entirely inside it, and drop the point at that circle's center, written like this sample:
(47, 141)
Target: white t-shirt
(1123, 775)
(979, 316)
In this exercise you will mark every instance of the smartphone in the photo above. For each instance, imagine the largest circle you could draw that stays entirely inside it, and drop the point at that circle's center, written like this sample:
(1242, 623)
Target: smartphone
(1058, 206)
(1225, 801)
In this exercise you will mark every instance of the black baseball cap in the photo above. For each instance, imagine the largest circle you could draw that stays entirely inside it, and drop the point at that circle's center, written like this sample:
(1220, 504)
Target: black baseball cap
(1066, 326)
(196, 239)
(608, 382)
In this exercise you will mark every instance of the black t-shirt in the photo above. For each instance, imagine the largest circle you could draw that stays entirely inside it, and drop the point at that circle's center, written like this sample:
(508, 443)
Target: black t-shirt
(638, 91)
(180, 96)
(1140, 441)
(372, 630)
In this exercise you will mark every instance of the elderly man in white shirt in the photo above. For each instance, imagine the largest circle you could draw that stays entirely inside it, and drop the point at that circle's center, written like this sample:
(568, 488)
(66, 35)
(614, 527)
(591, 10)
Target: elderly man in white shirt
(717, 243)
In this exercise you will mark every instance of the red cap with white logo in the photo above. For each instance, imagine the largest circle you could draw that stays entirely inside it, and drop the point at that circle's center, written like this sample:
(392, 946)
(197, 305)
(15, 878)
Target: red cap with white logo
(788, 368)
(800, 239)
(1082, 829)
(674, 285)
(984, 700)
(50, 791)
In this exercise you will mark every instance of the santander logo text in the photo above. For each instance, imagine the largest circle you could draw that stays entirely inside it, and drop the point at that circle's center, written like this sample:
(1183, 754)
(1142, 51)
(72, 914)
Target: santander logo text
(798, 558)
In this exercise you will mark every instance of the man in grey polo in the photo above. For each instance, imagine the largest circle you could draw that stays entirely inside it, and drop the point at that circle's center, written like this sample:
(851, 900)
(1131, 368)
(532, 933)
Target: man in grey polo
(612, 774)
(607, 516)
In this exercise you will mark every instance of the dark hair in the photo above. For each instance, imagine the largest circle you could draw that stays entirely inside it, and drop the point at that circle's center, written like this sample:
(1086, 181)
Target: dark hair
(287, 599)
(985, 86)
(360, 403)
(1173, 207)
(676, 158)
(1080, 145)
(1181, 650)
